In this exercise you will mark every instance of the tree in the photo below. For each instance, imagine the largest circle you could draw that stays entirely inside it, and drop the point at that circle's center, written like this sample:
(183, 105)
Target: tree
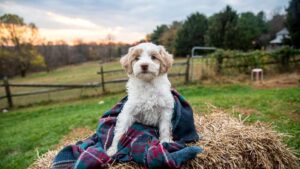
(293, 22)
(222, 29)
(250, 27)
(276, 24)
(18, 39)
(110, 38)
(157, 33)
(191, 34)
(261, 40)
(168, 38)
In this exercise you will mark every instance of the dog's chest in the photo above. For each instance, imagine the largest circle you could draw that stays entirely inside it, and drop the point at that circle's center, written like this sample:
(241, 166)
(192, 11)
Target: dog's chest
(150, 105)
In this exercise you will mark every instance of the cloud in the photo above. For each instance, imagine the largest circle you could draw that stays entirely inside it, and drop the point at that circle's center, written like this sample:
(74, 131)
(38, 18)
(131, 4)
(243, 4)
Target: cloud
(90, 34)
(128, 20)
(71, 34)
(233, 2)
(72, 21)
(86, 29)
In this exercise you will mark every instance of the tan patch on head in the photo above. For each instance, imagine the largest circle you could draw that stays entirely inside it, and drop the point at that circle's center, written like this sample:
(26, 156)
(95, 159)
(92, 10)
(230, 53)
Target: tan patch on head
(126, 61)
(156, 55)
(166, 60)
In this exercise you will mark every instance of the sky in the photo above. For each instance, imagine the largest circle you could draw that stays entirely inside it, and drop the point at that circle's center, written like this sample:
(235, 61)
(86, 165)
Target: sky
(126, 20)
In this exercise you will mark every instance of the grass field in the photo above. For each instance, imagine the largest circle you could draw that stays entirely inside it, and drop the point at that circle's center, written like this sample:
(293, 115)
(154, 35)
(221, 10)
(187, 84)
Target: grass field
(28, 130)
(74, 74)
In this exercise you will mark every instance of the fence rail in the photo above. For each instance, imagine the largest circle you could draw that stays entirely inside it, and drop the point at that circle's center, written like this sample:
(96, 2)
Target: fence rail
(55, 85)
(61, 87)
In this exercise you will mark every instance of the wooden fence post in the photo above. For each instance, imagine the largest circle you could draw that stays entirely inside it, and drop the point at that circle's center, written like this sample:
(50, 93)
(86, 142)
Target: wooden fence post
(219, 64)
(102, 79)
(8, 93)
(187, 71)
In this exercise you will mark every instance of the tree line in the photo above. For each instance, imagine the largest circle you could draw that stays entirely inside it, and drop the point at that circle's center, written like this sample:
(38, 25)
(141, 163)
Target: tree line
(60, 54)
(22, 50)
(228, 29)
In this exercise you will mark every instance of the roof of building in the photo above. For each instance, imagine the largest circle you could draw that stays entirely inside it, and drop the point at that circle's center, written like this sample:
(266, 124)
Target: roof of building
(283, 33)
(278, 39)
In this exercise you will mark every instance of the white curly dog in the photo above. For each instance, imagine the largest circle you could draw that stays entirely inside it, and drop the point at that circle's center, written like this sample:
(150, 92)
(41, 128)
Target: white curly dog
(150, 100)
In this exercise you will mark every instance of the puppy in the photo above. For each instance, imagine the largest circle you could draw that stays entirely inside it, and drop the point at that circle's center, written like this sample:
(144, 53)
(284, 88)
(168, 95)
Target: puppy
(150, 101)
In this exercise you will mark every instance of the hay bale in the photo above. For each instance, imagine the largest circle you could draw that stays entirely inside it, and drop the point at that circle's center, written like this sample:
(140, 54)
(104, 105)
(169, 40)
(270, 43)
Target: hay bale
(228, 143)
(44, 161)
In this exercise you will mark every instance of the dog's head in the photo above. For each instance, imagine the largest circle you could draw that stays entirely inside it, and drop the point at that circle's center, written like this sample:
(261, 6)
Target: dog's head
(146, 61)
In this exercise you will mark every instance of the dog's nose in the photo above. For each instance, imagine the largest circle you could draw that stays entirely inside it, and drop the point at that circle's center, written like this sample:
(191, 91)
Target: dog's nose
(144, 67)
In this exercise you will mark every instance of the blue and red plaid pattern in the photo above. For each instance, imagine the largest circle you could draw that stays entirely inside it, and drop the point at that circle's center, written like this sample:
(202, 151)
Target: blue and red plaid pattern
(139, 144)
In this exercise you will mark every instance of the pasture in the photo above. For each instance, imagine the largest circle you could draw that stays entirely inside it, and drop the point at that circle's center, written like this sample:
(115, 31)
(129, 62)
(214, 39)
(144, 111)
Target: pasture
(38, 129)
(39, 122)
(85, 73)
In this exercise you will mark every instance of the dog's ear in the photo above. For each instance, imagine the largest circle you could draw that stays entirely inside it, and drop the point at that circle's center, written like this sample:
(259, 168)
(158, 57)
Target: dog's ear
(126, 61)
(166, 59)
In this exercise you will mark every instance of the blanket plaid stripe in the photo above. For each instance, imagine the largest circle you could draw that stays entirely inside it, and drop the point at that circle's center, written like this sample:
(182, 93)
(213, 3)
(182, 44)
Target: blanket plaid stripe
(139, 144)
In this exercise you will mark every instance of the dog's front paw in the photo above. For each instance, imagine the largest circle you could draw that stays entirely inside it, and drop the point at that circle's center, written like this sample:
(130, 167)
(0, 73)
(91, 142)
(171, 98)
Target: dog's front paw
(166, 140)
(111, 151)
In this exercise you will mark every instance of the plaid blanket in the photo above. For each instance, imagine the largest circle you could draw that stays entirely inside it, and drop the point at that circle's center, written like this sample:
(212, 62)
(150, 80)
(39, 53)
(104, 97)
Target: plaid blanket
(139, 144)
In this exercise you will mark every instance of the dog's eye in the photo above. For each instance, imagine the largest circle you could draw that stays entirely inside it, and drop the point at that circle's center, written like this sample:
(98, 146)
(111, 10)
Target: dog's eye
(137, 58)
(153, 57)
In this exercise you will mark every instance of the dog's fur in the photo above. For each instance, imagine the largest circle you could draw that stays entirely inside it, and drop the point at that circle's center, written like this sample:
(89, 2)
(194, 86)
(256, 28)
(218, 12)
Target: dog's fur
(150, 100)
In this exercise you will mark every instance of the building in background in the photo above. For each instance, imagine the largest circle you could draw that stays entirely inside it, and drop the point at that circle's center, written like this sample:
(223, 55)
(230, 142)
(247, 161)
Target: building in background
(280, 39)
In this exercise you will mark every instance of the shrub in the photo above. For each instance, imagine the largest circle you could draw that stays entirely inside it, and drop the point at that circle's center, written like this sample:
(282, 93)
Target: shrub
(283, 59)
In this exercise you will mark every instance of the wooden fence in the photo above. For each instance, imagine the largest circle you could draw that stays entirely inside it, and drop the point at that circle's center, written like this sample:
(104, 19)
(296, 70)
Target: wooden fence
(61, 87)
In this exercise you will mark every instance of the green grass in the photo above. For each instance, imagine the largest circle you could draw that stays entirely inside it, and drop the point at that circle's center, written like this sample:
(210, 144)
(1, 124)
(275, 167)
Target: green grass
(25, 131)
